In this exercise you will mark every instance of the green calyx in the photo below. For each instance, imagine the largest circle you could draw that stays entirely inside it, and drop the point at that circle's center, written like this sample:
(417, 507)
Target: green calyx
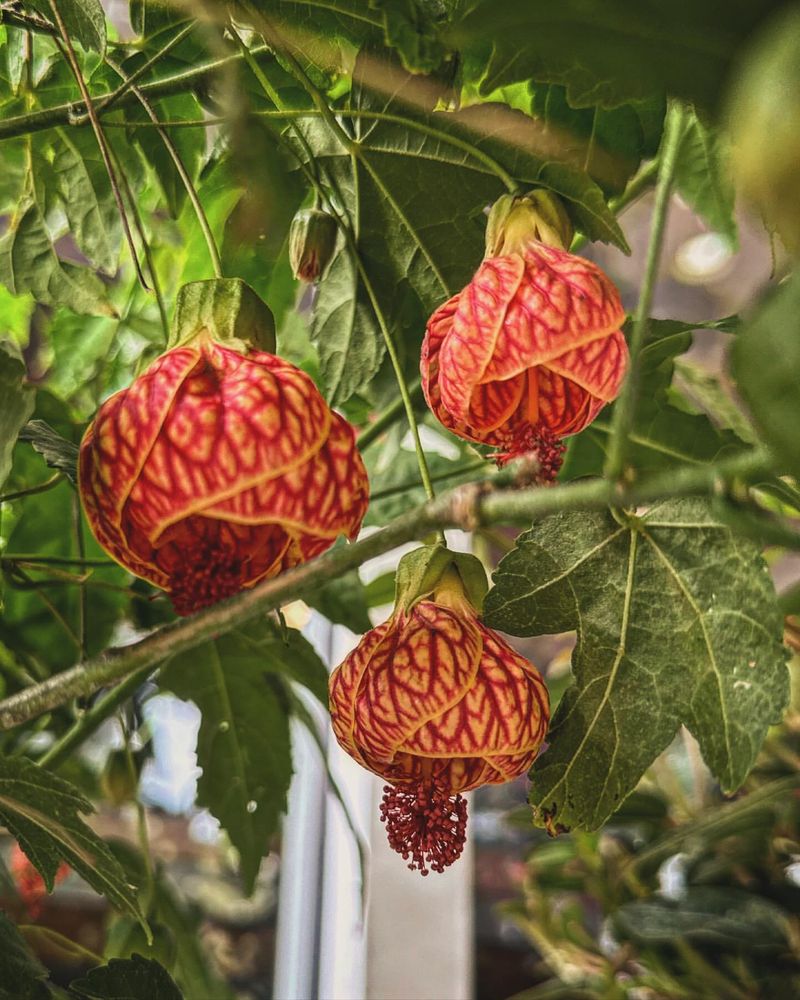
(425, 570)
(226, 310)
(516, 220)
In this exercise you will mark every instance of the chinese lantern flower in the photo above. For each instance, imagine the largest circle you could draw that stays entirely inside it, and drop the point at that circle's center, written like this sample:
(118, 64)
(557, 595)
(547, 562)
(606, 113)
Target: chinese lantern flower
(437, 704)
(532, 349)
(29, 883)
(221, 465)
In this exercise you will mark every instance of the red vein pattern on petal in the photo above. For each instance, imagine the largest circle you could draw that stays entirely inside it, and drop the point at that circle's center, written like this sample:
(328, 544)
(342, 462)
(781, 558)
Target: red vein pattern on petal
(562, 301)
(476, 332)
(432, 660)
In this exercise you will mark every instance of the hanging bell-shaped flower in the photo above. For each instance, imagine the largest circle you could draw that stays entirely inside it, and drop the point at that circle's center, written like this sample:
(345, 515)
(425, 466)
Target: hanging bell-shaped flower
(437, 704)
(221, 465)
(532, 349)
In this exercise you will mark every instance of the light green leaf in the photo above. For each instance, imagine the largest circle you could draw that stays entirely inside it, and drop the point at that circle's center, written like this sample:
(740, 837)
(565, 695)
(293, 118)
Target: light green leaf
(22, 975)
(243, 746)
(702, 177)
(134, 978)
(677, 622)
(608, 53)
(87, 196)
(16, 403)
(766, 365)
(43, 812)
(28, 263)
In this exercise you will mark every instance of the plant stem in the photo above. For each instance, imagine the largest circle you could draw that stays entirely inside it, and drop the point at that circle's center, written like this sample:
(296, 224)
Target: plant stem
(202, 218)
(93, 718)
(72, 60)
(625, 408)
(466, 507)
(48, 484)
(141, 817)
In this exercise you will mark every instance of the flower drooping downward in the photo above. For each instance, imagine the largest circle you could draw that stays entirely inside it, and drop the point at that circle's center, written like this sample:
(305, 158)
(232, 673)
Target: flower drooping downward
(437, 704)
(221, 465)
(531, 350)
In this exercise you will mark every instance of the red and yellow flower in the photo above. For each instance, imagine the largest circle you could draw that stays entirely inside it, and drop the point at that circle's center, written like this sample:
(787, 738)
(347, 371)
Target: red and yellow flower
(531, 350)
(437, 704)
(218, 467)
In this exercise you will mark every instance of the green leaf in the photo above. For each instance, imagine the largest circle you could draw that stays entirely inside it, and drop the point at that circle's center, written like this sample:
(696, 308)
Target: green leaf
(16, 403)
(665, 429)
(189, 142)
(410, 27)
(722, 918)
(87, 196)
(766, 365)
(677, 622)
(608, 144)
(149, 17)
(29, 263)
(134, 978)
(43, 812)
(84, 20)
(243, 746)
(702, 177)
(608, 53)
(713, 396)
(344, 602)
(22, 975)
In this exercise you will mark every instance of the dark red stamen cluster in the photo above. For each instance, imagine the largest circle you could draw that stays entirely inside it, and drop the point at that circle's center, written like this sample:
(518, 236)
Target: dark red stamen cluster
(426, 823)
(542, 445)
(213, 573)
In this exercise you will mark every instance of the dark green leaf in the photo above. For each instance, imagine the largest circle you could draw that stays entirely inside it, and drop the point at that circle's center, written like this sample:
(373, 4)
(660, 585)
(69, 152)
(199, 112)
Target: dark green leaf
(410, 27)
(702, 177)
(87, 196)
(134, 978)
(57, 451)
(766, 364)
(28, 263)
(343, 601)
(43, 812)
(149, 17)
(16, 403)
(243, 746)
(189, 142)
(22, 975)
(677, 623)
(84, 20)
(612, 52)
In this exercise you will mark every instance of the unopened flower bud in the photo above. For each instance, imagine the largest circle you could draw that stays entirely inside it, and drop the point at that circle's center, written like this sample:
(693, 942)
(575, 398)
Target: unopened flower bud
(312, 240)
